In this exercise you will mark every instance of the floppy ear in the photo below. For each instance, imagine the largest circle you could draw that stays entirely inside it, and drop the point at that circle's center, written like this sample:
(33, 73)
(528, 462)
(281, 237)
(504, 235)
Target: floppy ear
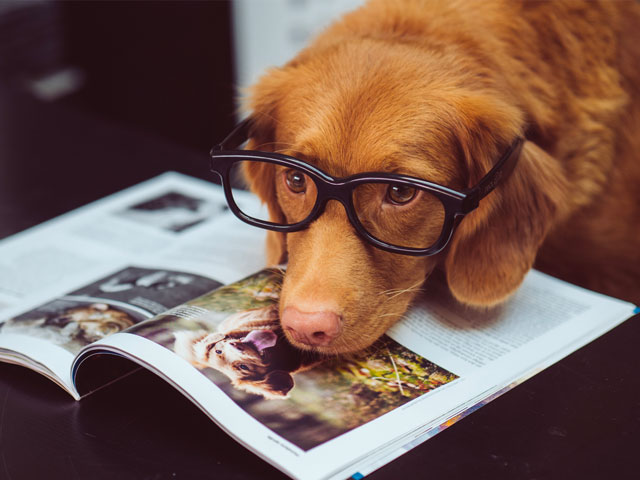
(261, 177)
(496, 244)
(276, 385)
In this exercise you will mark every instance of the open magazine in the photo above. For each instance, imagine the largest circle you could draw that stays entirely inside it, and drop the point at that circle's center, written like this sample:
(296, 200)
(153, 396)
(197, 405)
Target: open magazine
(163, 277)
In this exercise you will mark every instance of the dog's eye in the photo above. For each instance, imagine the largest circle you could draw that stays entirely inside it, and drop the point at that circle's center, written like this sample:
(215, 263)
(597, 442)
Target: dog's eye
(296, 181)
(400, 194)
(243, 367)
(219, 352)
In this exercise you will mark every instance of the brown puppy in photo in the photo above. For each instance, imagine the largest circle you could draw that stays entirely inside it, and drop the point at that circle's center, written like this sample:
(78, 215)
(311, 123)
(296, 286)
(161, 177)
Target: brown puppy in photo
(439, 90)
(250, 349)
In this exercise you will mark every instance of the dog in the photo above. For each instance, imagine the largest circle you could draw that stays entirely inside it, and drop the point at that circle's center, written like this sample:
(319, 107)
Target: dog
(438, 89)
(73, 327)
(250, 349)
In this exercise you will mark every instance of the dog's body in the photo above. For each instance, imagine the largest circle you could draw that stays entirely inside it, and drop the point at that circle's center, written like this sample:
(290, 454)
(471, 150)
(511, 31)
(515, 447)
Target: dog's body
(438, 90)
(250, 349)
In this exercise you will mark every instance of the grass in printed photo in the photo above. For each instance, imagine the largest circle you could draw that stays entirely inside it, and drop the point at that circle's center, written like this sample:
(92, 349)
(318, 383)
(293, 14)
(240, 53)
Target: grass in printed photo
(232, 336)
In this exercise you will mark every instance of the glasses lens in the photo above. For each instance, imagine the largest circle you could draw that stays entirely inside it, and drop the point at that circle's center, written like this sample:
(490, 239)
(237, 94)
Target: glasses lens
(295, 192)
(399, 214)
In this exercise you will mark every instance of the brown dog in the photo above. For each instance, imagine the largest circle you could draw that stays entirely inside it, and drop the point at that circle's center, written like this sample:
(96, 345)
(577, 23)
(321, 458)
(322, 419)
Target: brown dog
(438, 90)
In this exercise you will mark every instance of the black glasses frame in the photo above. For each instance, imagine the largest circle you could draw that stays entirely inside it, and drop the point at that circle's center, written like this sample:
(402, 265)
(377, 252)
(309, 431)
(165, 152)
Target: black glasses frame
(456, 204)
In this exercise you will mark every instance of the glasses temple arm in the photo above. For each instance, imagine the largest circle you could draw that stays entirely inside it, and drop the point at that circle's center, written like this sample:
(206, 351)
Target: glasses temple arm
(237, 137)
(498, 173)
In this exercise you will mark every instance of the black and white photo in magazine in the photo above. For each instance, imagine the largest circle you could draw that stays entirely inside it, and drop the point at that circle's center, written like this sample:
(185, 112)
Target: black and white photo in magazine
(173, 211)
(109, 305)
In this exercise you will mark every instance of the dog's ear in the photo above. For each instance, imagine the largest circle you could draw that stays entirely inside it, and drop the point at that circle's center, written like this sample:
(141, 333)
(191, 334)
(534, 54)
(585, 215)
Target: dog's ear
(276, 385)
(495, 245)
(263, 101)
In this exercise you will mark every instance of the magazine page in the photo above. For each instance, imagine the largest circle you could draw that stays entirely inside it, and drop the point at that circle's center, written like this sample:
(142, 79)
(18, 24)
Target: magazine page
(317, 417)
(111, 264)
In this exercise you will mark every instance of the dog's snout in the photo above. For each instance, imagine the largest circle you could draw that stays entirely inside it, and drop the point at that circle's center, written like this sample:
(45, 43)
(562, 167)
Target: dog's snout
(314, 329)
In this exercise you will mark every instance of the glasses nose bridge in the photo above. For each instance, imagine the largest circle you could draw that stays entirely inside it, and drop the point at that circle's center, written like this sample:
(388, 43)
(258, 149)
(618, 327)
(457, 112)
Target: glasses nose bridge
(339, 192)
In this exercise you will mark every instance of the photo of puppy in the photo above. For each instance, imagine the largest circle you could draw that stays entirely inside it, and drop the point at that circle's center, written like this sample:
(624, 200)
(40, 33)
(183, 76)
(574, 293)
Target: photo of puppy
(439, 90)
(72, 324)
(250, 349)
(107, 305)
(232, 338)
(90, 323)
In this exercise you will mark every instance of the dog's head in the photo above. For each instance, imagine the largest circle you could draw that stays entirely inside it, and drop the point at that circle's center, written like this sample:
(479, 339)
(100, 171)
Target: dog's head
(375, 105)
(246, 360)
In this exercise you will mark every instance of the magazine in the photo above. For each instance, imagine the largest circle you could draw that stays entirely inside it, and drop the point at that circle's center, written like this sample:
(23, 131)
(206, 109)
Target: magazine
(163, 277)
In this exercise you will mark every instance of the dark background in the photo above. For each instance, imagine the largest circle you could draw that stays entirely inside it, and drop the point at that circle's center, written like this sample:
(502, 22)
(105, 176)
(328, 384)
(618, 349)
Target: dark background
(153, 91)
(162, 67)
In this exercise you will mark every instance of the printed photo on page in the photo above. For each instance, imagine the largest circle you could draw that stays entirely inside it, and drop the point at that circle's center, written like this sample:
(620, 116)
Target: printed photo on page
(107, 306)
(233, 337)
(173, 211)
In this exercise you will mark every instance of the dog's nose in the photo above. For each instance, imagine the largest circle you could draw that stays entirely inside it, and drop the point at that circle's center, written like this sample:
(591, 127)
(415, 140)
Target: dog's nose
(315, 329)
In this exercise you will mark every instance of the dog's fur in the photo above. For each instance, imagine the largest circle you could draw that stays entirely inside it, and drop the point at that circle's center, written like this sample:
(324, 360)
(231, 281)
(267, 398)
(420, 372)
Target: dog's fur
(267, 372)
(439, 89)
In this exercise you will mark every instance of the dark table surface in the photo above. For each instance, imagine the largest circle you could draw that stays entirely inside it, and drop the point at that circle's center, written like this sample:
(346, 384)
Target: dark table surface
(578, 419)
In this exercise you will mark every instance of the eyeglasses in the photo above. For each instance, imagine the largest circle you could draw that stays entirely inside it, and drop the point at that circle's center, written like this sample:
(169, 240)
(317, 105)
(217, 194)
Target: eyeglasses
(396, 213)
